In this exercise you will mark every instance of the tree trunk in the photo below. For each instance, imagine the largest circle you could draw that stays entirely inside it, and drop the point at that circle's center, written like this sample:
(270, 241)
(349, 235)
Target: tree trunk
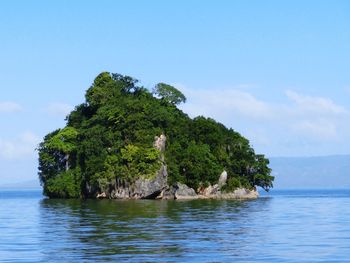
(67, 161)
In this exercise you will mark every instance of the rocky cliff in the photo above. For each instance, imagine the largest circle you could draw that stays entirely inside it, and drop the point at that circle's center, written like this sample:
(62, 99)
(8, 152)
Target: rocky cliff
(158, 188)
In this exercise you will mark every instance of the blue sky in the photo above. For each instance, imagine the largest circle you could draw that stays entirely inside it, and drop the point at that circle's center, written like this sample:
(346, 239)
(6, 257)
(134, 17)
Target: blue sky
(276, 71)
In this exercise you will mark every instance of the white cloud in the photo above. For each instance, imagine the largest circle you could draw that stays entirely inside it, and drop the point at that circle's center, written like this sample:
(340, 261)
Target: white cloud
(300, 124)
(316, 129)
(318, 105)
(60, 109)
(227, 102)
(9, 107)
(315, 118)
(19, 147)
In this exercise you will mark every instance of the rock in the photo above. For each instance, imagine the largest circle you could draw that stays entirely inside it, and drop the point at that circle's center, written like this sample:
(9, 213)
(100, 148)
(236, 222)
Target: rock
(168, 194)
(240, 193)
(159, 142)
(222, 179)
(211, 190)
(151, 188)
(120, 193)
(141, 188)
(102, 195)
(182, 192)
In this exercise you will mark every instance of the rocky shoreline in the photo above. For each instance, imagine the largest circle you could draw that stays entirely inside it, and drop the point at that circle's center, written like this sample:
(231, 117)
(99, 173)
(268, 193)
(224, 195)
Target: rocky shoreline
(158, 187)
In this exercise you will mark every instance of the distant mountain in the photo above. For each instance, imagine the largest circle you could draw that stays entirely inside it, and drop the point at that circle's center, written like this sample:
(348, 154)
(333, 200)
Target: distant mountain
(32, 184)
(311, 172)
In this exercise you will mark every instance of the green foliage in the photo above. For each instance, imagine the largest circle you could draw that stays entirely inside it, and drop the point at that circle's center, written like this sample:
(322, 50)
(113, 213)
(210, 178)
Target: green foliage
(111, 136)
(64, 140)
(199, 165)
(169, 93)
(137, 162)
(235, 182)
(232, 184)
(66, 184)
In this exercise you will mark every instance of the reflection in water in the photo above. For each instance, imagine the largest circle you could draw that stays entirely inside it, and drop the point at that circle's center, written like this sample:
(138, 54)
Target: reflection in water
(290, 226)
(147, 230)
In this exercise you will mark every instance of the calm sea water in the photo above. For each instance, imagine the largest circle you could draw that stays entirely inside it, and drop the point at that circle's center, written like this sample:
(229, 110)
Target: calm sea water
(285, 226)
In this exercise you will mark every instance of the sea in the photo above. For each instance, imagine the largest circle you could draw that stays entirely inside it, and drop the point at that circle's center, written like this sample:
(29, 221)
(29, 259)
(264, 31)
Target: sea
(281, 226)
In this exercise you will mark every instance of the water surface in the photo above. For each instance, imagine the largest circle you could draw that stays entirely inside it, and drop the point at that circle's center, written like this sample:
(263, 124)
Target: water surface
(284, 226)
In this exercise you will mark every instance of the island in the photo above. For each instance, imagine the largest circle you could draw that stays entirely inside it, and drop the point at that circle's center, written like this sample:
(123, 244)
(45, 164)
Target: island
(127, 142)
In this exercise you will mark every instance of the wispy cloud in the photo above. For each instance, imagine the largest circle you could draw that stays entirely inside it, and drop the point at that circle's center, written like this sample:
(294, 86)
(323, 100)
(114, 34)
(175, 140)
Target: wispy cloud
(313, 120)
(9, 107)
(21, 146)
(318, 105)
(321, 129)
(314, 117)
(225, 102)
(60, 109)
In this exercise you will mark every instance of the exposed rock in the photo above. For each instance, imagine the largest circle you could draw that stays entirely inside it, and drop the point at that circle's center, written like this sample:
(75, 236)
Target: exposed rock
(222, 179)
(142, 188)
(157, 188)
(102, 195)
(240, 193)
(151, 188)
(167, 194)
(182, 192)
(159, 142)
(211, 190)
(120, 193)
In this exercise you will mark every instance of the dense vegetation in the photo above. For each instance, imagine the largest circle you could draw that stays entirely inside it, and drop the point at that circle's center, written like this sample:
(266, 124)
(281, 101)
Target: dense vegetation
(111, 135)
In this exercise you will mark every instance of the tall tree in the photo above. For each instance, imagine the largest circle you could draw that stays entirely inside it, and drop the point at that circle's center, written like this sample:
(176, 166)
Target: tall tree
(169, 93)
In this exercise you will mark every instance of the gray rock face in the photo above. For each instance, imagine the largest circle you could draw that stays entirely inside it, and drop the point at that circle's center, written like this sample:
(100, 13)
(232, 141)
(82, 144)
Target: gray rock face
(158, 188)
(159, 142)
(168, 193)
(240, 193)
(150, 189)
(140, 189)
(222, 179)
(182, 191)
(211, 190)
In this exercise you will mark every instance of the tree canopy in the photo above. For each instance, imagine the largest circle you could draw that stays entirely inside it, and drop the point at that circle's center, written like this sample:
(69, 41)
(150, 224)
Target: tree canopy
(111, 136)
(169, 93)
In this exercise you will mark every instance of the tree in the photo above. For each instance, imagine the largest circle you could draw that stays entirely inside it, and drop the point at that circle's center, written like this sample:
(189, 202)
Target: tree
(169, 93)
(200, 165)
(64, 141)
(261, 176)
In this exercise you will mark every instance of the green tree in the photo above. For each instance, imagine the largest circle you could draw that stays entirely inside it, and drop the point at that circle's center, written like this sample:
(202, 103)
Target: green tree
(169, 93)
(64, 141)
(199, 165)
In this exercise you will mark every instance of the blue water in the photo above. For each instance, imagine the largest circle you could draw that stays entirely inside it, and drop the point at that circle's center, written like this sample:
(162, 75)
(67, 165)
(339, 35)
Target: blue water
(284, 226)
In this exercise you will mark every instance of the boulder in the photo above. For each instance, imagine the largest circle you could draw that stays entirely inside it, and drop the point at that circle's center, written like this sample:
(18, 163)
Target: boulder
(222, 179)
(102, 195)
(182, 192)
(240, 193)
(211, 190)
(151, 188)
(168, 193)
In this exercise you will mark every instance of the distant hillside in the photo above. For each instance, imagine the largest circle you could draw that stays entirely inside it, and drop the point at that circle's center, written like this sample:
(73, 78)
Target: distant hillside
(311, 172)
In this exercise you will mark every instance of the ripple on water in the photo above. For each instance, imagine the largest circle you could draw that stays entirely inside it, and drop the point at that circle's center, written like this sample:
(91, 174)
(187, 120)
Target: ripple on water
(290, 227)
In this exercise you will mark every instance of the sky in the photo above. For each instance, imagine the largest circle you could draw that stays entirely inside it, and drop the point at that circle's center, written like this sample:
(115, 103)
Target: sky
(275, 71)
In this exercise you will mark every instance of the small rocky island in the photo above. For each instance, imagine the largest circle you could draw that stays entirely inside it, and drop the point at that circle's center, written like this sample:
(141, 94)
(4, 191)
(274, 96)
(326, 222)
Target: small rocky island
(125, 142)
